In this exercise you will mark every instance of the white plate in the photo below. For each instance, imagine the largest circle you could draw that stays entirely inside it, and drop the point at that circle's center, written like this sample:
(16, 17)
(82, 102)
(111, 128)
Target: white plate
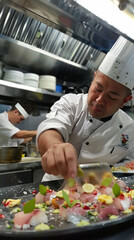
(119, 171)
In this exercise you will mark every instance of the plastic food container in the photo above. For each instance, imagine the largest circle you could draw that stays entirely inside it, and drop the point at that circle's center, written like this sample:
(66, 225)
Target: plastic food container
(14, 76)
(47, 82)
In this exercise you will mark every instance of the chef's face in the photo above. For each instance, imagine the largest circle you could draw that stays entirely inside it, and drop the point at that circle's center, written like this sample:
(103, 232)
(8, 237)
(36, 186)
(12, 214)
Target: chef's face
(106, 96)
(17, 117)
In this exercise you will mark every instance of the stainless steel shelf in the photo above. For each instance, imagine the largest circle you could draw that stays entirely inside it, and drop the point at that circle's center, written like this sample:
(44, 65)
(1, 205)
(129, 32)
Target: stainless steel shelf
(15, 90)
(32, 59)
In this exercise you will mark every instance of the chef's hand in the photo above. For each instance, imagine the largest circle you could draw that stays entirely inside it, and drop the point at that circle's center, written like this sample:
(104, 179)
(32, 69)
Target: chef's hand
(60, 159)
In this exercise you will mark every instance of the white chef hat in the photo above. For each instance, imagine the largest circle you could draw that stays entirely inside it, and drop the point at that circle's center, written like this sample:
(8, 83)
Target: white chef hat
(118, 64)
(22, 110)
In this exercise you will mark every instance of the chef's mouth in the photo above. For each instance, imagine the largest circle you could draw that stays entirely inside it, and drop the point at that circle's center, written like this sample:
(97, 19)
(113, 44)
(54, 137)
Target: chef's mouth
(97, 108)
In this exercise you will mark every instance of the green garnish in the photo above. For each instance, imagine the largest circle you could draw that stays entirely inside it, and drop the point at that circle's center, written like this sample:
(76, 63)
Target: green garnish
(74, 202)
(80, 172)
(29, 206)
(92, 213)
(66, 198)
(51, 226)
(8, 226)
(42, 189)
(71, 182)
(116, 190)
(106, 182)
(92, 218)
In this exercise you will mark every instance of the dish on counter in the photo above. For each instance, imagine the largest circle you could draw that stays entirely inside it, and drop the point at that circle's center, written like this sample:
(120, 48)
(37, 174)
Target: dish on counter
(127, 167)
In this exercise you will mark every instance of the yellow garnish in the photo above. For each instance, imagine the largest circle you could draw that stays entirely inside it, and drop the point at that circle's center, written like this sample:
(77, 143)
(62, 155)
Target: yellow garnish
(48, 203)
(112, 217)
(107, 175)
(12, 202)
(105, 199)
(83, 223)
(56, 211)
(127, 211)
(131, 193)
(41, 227)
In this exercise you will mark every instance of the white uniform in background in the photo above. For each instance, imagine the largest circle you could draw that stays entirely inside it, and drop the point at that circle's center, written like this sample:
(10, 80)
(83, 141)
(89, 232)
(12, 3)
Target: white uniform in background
(7, 130)
(94, 140)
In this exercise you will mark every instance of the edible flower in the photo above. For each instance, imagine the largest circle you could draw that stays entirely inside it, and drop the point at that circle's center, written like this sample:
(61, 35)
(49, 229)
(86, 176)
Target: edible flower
(11, 202)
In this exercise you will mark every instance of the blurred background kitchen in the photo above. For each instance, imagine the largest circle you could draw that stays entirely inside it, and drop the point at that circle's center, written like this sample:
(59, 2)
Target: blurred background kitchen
(49, 48)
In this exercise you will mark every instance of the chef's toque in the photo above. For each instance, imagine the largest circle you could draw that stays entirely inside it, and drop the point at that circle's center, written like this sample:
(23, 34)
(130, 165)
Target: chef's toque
(22, 110)
(119, 62)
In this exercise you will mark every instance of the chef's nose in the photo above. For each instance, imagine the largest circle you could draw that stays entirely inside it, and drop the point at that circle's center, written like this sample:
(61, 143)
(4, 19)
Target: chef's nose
(101, 99)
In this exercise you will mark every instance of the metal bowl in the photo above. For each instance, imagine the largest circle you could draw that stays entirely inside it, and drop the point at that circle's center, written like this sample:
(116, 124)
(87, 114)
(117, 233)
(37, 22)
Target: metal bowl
(10, 154)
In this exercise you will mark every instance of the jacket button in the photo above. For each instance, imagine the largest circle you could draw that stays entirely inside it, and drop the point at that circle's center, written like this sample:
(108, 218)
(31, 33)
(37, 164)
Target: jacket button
(87, 143)
(120, 126)
(91, 120)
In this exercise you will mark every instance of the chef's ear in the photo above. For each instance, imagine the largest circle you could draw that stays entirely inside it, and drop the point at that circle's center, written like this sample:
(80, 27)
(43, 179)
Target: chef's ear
(128, 98)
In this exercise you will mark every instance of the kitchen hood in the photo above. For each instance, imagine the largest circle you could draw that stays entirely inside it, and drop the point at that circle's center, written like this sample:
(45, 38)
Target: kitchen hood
(56, 37)
(62, 28)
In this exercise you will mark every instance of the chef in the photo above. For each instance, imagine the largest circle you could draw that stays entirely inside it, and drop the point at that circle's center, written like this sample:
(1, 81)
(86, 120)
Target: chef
(10, 135)
(89, 128)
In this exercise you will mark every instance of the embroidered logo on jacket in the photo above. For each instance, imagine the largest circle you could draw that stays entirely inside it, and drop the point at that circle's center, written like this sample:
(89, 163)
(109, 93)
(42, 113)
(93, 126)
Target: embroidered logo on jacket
(124, 140)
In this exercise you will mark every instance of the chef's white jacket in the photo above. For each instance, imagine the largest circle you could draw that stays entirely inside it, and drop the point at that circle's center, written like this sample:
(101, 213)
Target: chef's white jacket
(94, 140)
(7, 130)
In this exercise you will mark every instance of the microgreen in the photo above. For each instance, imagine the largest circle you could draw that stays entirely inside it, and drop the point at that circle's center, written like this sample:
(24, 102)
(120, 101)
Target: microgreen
(116, 190)
(29, 206)
(80, 172)
(71, 182)
(106, 182)
(42, 189)
(66, 198)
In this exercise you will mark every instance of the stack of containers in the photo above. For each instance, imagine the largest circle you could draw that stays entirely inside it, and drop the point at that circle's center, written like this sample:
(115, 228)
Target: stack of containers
(14, 76)
(31, 79)
(47, 82)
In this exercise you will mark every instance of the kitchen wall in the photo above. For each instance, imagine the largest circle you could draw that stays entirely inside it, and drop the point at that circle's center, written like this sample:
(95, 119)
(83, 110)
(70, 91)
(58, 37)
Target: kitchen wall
(32, 122)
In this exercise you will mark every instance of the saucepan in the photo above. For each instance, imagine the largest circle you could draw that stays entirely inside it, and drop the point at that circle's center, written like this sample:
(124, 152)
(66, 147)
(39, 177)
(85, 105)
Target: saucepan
(10, 154)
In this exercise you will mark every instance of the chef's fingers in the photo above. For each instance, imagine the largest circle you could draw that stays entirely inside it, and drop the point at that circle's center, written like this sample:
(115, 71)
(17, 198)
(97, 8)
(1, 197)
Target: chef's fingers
(48, 163)
(60, 160)
(72, 162)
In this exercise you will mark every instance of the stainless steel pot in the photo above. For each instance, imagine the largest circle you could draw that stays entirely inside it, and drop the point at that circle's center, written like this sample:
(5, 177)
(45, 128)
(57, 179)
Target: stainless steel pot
(10, 154)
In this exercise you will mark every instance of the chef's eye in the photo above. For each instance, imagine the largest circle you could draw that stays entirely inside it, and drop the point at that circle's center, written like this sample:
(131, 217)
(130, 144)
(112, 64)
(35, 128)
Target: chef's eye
(98, 90)
(112, 98)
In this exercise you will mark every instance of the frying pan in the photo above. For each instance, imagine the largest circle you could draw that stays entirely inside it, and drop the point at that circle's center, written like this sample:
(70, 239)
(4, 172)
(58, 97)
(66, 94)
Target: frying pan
(95, 231)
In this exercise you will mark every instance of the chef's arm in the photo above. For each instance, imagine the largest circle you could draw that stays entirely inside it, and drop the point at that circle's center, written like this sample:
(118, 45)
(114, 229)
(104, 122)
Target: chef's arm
(27, 140)
(47, 139)
(58, 157)
(24, 134)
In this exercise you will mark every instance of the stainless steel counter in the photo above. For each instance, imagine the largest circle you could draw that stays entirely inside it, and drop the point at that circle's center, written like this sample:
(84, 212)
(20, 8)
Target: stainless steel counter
(25, 163)
(28, 170)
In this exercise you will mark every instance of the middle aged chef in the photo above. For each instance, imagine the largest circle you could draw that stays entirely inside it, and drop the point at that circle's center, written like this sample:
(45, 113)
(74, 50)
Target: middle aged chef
(10, 135)
(91, 127)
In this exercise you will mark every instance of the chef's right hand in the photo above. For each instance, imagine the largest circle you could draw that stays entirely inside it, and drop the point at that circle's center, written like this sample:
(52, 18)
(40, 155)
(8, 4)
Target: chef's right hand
(61, 159)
